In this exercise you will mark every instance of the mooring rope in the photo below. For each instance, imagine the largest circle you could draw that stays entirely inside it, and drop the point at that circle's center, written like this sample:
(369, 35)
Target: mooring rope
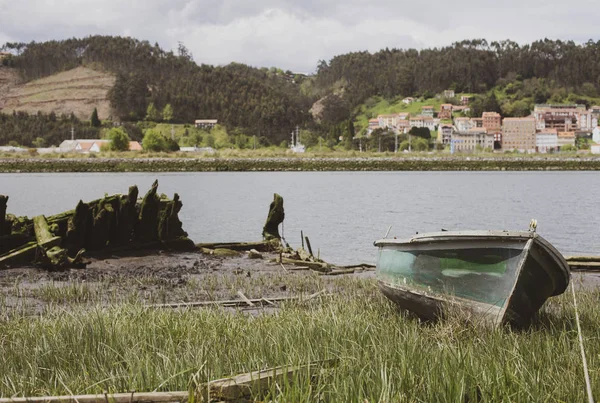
(585, 367)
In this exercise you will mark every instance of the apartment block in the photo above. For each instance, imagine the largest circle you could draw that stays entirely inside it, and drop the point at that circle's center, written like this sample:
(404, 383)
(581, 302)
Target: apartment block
(519, 134)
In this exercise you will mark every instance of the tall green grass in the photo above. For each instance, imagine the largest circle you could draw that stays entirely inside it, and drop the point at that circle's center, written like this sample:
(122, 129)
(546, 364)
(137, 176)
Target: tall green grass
(383, 354)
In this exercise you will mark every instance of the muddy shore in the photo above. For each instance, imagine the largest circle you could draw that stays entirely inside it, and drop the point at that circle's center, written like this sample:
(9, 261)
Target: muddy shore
(159, 278)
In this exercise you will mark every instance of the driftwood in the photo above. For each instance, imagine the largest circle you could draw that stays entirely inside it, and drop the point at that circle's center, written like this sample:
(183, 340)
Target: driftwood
(238, 302)
(583, 263)
(234, 388)
(318, 266)
(262, 246)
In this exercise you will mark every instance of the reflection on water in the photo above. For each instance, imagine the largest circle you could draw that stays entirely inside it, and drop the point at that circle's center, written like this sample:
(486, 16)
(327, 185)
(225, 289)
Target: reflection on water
(344, 212)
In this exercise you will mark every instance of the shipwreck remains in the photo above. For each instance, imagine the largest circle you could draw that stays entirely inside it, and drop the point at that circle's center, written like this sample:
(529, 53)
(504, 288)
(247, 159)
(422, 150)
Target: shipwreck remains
(113, 223)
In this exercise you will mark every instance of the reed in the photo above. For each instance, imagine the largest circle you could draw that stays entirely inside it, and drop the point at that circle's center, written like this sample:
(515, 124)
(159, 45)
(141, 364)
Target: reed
(383, 354)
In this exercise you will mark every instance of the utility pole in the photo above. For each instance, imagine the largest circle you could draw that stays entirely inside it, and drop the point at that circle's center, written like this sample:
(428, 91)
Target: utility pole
(409, 141)
(254, 141)
(396, 145)
(380, 143)
(72, 133)
(172, 132)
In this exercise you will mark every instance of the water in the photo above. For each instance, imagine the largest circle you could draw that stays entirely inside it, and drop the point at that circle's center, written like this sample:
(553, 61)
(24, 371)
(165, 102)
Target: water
(344, 212)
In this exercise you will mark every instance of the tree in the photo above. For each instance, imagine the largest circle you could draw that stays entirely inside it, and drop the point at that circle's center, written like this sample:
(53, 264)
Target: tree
(349, 136)
(167, 113)
(152, 113)
(94, 119)
(119, 140)
(154, 141)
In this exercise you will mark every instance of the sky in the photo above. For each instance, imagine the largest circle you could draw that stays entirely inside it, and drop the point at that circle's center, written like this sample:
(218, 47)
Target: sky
(295, 35)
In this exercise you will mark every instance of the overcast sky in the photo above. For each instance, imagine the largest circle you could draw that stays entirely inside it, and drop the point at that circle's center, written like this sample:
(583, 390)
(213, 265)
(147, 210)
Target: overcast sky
(295, 34)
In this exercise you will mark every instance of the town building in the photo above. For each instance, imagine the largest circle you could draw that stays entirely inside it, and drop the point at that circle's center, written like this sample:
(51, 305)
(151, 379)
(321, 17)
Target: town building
(205, 124)
(566, 139)
(448, 94)
(562, 117)
(596, 134)
(465, 99)
(403, 125)
(546, 141)
(445, 134)
(519, 134)
(373, 124)
(388, 121)
(595, 148)
(471, 140)
(427, 111)
(408, 100)
(477, 122)
(422, 121)
(491, 120)
(463, 124)
(445, 111)
(86, 146)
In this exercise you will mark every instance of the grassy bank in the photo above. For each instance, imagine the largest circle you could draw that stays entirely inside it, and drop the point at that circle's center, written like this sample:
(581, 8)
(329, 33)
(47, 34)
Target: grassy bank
(208, 164)
(383, 355)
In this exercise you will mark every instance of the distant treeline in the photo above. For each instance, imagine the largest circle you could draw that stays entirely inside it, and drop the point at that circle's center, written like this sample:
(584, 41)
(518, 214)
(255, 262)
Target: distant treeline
(41, 130)
(262, 102)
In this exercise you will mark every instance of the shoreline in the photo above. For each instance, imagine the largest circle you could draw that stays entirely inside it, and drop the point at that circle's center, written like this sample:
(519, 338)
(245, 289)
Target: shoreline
(309, 164)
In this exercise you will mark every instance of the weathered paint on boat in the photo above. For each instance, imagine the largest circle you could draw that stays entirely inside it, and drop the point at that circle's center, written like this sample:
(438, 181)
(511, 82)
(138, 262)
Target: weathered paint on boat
(498, 291)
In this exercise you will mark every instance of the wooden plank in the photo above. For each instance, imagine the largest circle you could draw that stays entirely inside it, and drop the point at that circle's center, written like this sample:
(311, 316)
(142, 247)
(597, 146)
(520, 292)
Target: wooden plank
(149, 397)
(227, 389)
(244, 298)
(43, 235)
(570, 259)
(25, 254)
(261, 246)
(225, 303)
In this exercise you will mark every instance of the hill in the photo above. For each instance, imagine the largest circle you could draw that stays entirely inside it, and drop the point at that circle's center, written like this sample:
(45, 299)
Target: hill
(76, 91)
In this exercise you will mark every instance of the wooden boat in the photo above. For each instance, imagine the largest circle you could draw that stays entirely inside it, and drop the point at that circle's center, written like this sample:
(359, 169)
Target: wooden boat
(498, 276)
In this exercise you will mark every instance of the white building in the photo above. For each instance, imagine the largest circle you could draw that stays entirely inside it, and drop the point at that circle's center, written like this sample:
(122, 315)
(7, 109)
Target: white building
(408, 100)
(595, 148)
(463, 124)
(596, 134)
(546, 141)
(422, 121)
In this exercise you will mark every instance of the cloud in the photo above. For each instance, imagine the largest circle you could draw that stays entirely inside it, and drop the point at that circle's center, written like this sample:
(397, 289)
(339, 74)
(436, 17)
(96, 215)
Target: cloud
(294, 34)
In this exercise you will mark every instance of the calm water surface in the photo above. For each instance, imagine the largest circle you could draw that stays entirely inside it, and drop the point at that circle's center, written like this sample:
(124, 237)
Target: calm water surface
(344, 212)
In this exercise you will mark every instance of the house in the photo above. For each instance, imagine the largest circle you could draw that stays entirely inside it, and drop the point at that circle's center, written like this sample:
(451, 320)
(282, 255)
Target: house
(422, 121)
(373, 124)
(471, 140)
(566, 139)
(388, 121)
(595, 148)
(491, 120)
(445, 111)
(445, 134)
(448, 94)
(477, 122)
(408, 100)
(596, 134)
(546, 141)
(403, 125)
(465, 99)
(519, 134)
(206, 124)
(463, 124)
(86, 146)
(427, 111)
(135, 146)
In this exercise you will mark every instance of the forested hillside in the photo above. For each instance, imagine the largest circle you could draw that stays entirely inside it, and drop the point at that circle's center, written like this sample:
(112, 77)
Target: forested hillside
(259, 101)
(269, 103)
(473, 66)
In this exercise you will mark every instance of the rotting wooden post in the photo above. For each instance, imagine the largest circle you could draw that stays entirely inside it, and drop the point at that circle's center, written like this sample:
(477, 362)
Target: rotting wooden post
(4, 227)
(77, 228)
(275, 217)
(302, 238)
(308, 245)
(148, 221)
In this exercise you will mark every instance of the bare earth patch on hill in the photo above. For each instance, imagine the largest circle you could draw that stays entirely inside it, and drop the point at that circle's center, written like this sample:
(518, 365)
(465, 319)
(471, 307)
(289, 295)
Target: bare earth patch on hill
(79, 91)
